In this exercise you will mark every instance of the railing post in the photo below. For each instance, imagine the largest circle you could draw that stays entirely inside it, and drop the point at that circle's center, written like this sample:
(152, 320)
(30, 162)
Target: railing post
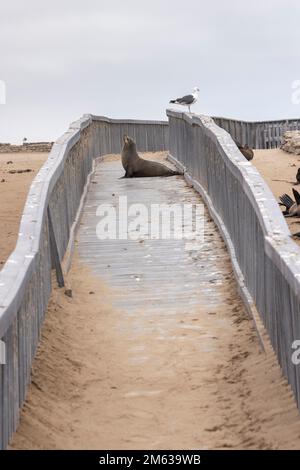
(2, 352)
(54, 253)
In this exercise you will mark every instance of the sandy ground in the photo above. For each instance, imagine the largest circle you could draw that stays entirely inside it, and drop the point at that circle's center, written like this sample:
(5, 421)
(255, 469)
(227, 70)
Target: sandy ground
(13, 191)
(83, 395)
(88, 393)
(279, 169)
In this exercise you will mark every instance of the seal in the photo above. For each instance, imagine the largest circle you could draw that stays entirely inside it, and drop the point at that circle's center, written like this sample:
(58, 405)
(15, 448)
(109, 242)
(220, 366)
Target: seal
(292, 207)
(137, 167)
(245, 150)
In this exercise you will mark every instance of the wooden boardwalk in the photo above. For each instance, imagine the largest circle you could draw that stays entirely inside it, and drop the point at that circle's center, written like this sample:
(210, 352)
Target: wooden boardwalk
(163, 355)
(171, 276)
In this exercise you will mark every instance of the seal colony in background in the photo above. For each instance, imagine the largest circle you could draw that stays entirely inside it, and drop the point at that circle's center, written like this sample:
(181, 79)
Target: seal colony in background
(137, 167)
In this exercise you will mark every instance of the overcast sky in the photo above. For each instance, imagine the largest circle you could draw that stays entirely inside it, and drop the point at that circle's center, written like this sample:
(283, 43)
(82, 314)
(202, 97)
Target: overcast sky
(127, 59)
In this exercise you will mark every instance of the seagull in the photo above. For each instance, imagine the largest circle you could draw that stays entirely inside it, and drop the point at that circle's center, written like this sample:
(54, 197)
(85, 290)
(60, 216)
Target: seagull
(187, 100)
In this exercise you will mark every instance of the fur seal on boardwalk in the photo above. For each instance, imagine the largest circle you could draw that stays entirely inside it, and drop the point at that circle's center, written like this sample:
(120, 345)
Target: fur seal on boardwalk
(137, 167)
(245, 150)
(292, 207)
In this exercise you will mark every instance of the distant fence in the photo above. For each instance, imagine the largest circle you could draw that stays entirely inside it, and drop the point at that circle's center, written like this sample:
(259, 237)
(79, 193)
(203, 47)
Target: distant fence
(260, 134)
(26, 147)
(49, 213)
(268, 259)
(150, 136)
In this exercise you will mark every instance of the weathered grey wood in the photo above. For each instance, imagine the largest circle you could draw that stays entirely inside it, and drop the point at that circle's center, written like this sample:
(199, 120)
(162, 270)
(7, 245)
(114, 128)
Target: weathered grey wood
(267, 257)
(260, 134)
(54, 253)
(25, 280)
(142, 270)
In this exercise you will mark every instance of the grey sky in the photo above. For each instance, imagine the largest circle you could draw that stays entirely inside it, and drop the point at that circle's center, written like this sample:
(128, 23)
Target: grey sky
(62, 58)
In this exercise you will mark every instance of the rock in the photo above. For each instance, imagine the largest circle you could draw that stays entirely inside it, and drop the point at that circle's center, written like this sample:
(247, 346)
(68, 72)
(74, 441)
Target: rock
(291, 142)
(26, 147)
(28, 170)
(69, 293)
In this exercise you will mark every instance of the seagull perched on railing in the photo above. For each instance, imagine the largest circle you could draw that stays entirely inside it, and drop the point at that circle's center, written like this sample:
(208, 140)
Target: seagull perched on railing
(187, 100)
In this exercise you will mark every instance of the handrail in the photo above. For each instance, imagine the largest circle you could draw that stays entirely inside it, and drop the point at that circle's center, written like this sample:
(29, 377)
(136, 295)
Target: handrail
(267, 257)
(25, 279)
(258, 134)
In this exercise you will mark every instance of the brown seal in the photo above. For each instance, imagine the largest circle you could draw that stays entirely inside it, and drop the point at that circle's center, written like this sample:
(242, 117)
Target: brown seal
(136, 167)
(292, 208)
(245, 150)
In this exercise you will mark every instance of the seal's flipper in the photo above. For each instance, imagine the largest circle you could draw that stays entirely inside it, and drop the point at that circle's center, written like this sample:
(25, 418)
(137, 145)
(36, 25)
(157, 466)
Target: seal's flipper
(286, 201)
(296, 196)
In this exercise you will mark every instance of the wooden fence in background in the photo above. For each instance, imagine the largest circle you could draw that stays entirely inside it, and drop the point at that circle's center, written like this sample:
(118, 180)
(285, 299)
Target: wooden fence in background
(260, 134)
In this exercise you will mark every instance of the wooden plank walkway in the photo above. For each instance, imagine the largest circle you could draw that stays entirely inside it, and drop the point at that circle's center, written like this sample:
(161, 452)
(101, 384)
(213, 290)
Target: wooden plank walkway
(170, 276)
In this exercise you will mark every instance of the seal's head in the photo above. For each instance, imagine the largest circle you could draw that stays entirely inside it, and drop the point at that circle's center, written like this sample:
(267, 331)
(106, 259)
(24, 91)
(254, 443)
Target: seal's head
(128, 142)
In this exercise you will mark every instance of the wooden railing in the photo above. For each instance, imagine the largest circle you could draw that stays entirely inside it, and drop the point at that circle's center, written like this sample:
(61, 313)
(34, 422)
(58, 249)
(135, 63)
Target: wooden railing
(259, 134)
(49, 214)
(266, 260)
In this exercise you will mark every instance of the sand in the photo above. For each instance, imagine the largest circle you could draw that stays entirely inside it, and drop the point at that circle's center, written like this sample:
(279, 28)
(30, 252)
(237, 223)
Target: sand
(83, 395)
(13, 192)
(279, 169)
(90, 391)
